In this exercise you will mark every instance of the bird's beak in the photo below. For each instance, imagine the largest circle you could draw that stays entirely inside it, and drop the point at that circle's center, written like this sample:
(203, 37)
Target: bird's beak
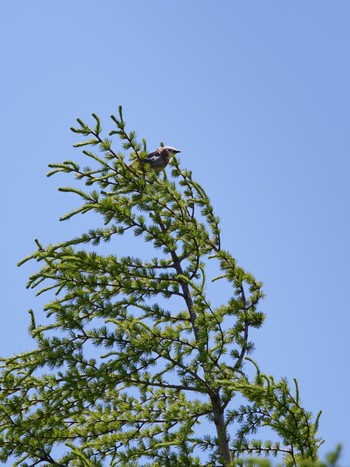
(177, 151)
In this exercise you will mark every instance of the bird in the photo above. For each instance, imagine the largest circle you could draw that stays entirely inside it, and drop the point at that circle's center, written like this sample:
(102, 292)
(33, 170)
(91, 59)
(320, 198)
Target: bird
(160, 158)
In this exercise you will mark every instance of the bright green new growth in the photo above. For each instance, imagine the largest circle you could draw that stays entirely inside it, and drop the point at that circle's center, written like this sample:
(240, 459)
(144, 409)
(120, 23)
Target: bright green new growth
(134, 366)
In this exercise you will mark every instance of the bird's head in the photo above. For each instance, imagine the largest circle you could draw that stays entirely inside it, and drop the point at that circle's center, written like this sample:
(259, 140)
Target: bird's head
(167, 153)
(168, 150)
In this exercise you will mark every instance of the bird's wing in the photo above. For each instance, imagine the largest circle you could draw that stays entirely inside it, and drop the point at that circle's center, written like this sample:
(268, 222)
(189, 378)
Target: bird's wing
(151, 157)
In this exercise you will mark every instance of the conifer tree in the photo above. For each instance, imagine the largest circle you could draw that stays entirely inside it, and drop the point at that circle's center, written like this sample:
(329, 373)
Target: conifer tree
(134, 365)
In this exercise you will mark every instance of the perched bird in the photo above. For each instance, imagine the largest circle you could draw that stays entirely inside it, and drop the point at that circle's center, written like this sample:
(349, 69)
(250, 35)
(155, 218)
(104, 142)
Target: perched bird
(160, 158)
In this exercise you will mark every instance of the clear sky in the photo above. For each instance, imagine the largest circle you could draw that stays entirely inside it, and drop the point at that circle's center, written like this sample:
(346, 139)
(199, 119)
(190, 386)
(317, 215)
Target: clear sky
(256, 94)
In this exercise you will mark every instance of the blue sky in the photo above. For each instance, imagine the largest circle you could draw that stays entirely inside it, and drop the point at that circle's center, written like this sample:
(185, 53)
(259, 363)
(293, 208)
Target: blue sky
(256, 94)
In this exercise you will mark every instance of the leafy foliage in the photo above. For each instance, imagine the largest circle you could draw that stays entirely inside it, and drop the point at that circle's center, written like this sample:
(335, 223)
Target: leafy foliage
(134, 365)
